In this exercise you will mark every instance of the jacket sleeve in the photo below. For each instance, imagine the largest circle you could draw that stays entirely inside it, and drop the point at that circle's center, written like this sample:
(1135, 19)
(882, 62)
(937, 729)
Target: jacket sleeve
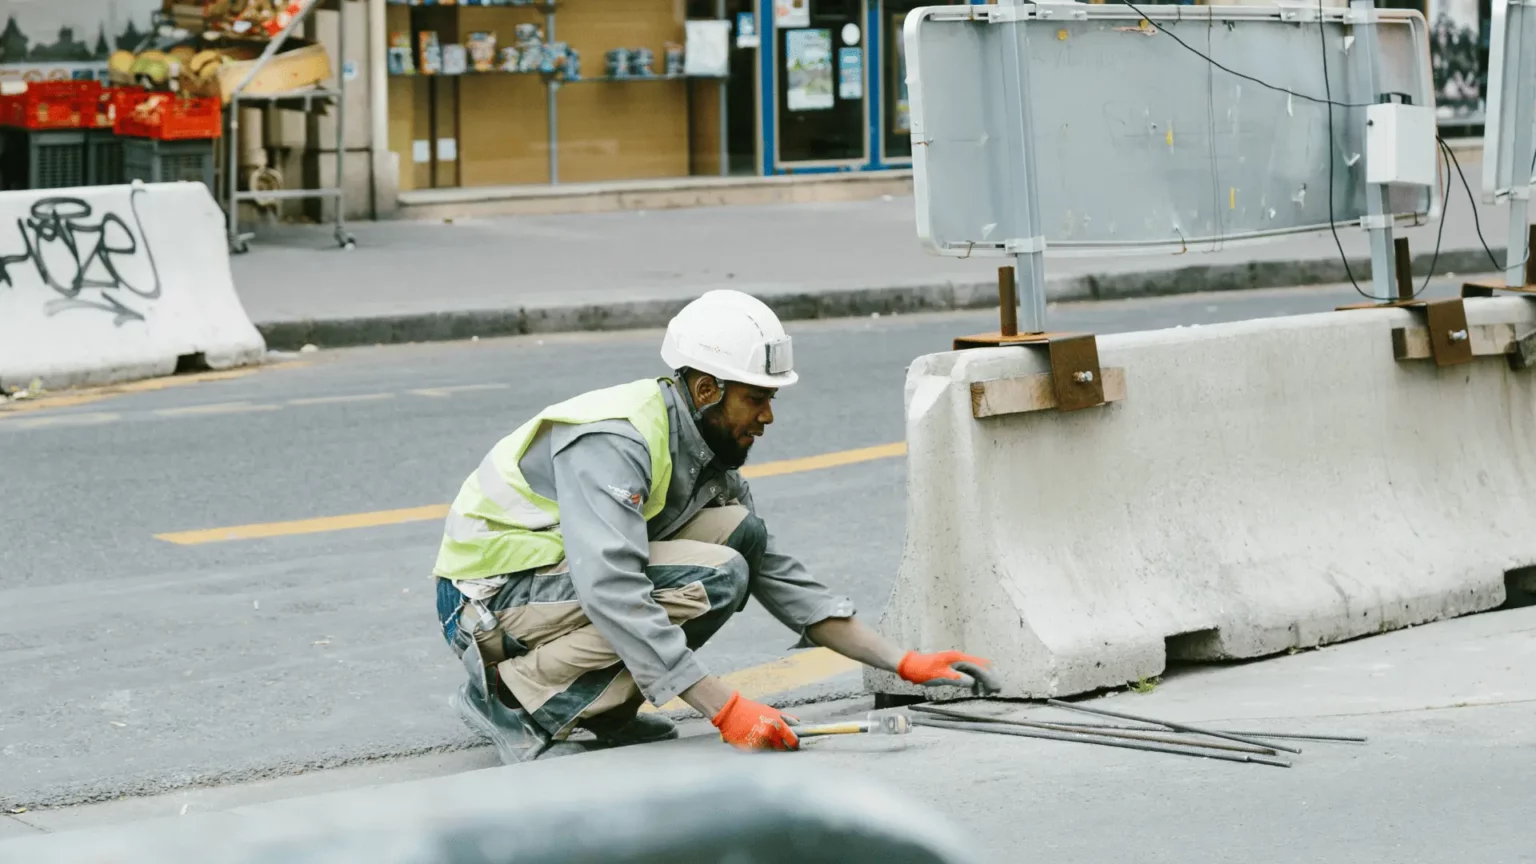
(602, 481)
(785, 587)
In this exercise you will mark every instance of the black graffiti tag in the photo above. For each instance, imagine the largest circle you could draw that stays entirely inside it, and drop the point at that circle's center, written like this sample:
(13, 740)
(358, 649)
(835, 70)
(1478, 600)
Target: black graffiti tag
(74, 254)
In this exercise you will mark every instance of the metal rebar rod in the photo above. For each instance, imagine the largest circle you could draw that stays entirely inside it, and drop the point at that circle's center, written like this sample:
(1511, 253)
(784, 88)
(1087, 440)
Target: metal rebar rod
(1347, 739)
(1182, 727)
(1002, 729)
(1107, 733)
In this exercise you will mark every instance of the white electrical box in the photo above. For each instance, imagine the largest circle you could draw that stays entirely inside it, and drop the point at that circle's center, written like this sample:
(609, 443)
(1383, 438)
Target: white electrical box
(1400, 144)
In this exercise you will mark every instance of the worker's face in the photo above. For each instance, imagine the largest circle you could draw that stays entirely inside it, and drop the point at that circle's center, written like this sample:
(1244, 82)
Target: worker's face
(733, 422)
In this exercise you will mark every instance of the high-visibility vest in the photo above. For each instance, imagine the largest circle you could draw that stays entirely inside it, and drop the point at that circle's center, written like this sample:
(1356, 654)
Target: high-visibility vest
(499, 525)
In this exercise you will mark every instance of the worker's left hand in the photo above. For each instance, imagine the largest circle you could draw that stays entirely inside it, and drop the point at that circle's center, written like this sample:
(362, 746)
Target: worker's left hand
(948, 669)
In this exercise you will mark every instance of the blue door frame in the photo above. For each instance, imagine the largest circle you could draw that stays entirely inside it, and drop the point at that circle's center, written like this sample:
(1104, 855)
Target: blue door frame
(874, 77)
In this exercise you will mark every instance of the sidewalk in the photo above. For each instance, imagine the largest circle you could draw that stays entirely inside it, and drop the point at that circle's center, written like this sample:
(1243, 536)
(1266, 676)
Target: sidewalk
(1445, 707)
(422, 281)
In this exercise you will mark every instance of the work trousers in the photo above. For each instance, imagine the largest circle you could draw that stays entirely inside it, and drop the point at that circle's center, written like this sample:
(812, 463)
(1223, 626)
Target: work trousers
(556, 664)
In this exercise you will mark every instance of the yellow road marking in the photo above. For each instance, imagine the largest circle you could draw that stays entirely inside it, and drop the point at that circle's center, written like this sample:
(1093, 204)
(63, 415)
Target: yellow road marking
(790, 673)
(826, 460)
(440, 511)
(440, 392)
(217, 408)
(88, 419)
(334, 400)
(74, 398)
(307, 526)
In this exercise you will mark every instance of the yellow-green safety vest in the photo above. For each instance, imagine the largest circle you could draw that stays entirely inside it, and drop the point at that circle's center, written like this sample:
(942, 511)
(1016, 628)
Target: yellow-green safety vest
(498, 524)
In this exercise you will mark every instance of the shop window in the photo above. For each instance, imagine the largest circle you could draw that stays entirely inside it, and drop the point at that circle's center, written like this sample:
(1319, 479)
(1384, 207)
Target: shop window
(820, 88)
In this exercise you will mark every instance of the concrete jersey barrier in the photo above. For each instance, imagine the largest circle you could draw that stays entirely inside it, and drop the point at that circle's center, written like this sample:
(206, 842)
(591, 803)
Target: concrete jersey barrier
(109, 283)
(1263, 485)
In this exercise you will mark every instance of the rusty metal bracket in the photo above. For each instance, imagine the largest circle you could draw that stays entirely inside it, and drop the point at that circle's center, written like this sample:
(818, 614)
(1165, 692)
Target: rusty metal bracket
(1075, 373)
(1077, 381)
(1450, 338)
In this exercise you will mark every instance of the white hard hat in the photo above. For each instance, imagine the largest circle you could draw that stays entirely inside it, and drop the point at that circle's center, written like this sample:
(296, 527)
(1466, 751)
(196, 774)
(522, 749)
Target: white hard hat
(732, 336)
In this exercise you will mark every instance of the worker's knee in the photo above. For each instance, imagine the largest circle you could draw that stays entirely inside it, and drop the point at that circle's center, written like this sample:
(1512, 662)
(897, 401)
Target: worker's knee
(735, 577)
(749, 540)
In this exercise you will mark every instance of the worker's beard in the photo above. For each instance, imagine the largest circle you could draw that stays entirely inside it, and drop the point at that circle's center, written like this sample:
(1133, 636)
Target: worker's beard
(720, 440)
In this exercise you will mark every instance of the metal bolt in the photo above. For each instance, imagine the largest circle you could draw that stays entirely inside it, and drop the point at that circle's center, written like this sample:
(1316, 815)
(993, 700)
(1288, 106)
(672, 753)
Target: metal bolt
(1083, 377)
(1458, 335)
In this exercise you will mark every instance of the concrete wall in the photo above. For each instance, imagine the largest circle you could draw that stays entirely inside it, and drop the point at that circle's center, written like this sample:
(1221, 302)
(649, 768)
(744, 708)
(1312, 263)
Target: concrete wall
(1265, 485)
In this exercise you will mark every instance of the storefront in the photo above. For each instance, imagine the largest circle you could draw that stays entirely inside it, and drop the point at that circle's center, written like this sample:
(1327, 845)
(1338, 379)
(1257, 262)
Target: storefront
(837, 75)
(594, 91)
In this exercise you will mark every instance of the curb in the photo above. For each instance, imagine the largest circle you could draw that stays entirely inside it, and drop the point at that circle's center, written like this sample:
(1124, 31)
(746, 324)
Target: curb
(837, 303)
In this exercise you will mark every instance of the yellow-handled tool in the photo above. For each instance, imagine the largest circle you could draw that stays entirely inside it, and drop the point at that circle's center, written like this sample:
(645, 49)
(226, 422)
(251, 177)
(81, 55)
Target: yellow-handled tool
(875, 724)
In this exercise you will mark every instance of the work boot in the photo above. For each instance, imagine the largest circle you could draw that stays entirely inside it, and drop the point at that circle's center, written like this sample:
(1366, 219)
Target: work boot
(516, 736)
(618, 727)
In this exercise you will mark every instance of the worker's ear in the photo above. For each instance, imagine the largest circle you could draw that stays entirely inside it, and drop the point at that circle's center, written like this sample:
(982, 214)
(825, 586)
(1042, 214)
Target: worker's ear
(705, 389)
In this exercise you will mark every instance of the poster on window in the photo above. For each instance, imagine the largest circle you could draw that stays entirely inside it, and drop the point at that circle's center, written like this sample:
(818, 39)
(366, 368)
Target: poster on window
(791, 13)
(1459, 59)
(901, 112)
(850, 73)
(808, 66)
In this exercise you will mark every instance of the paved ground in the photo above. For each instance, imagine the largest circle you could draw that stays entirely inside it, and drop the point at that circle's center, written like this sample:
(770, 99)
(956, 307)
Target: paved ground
(1444, 774)
(131, 665)
(430, 280)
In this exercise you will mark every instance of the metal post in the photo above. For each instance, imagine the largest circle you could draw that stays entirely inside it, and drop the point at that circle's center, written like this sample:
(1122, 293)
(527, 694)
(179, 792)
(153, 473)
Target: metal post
(1530, 262)
(1521, 138)
(1404, 269)
(1029, 247)
(231, 180)
(551, 87)
(1007, 302)
(1519, 252)
(725, 128)
(341, 124)
(1378, 207)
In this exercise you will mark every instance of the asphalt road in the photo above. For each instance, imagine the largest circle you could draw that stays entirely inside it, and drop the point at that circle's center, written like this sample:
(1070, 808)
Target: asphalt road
(129, 665)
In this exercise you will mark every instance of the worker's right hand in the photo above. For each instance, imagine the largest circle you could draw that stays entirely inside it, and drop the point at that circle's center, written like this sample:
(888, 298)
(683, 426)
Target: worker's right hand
(753, 726)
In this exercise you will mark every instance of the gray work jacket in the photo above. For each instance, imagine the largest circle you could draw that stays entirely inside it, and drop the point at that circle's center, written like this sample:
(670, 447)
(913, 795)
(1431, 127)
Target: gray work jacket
(584, 468)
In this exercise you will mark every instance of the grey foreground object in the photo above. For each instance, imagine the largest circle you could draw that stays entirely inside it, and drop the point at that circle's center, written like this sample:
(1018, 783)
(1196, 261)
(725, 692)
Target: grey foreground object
(598, 808)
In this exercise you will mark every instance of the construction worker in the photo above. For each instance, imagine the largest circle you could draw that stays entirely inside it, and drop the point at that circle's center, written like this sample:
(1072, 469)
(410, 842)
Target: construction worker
(606, 539)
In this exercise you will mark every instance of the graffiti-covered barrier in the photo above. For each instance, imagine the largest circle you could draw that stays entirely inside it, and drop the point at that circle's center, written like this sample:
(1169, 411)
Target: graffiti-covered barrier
(1257, 486)
(110, 283)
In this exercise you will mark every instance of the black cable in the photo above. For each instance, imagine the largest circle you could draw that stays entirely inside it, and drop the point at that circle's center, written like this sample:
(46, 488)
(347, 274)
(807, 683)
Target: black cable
(1476, 222)
(1445, 209)
(1330, 103)
(1322, 36)
(1207, 58)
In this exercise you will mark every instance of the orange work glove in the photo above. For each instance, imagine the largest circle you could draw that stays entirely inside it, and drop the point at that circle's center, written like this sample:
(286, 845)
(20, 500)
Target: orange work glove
(946, 668)
(752, 726)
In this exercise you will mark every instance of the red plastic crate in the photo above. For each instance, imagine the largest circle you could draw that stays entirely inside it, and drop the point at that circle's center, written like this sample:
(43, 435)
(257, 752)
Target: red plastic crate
(166, 116)
(101, 110)
(50, 104)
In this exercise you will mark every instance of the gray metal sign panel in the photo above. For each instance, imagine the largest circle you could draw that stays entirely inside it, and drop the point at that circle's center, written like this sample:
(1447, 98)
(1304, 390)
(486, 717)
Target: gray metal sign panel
(1509, 139)
(1139, 142)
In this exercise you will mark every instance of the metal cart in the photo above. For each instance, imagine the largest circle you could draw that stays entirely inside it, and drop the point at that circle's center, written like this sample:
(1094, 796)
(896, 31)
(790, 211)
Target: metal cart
(305, 100)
